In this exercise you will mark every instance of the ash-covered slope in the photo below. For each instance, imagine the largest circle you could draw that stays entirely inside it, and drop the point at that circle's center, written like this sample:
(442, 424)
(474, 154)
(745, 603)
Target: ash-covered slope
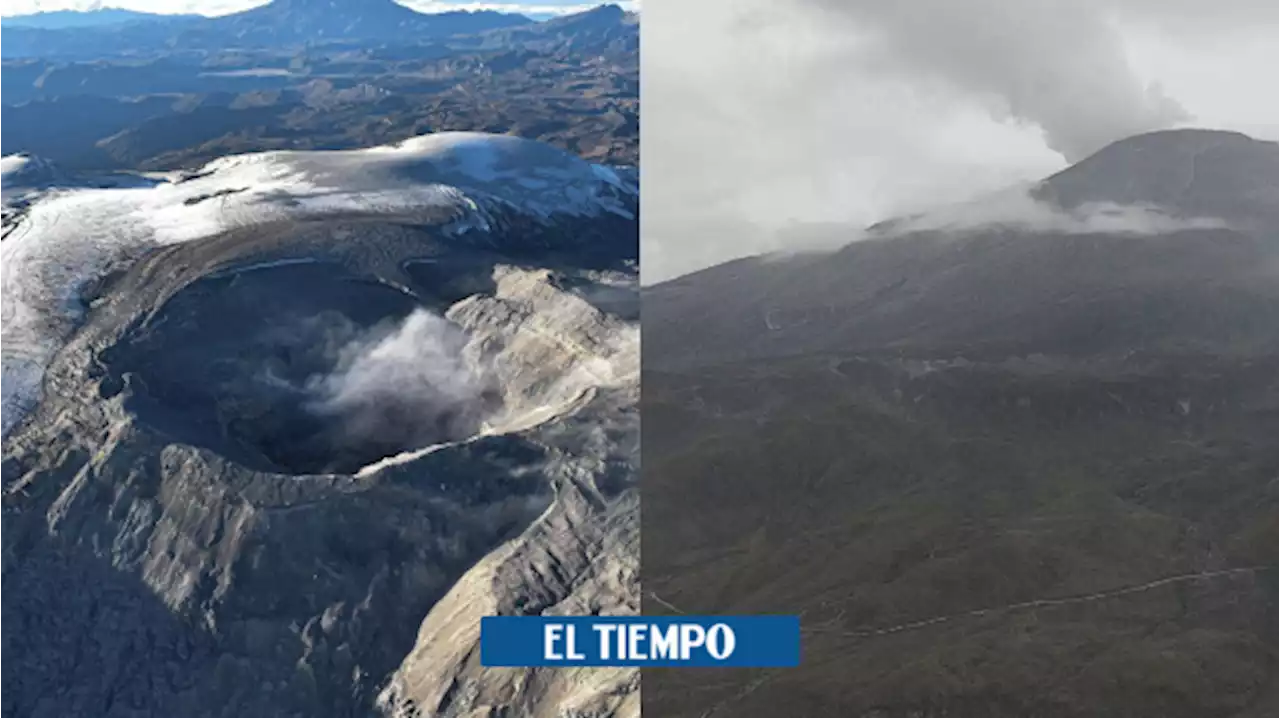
(1016, 458)
(1161, 242)
(262, 418)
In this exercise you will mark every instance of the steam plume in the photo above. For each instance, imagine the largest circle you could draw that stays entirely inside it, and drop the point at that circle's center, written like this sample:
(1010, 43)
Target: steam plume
(405, 386)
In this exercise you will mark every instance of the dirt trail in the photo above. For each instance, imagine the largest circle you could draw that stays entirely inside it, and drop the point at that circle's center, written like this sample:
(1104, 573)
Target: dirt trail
(1040, 603)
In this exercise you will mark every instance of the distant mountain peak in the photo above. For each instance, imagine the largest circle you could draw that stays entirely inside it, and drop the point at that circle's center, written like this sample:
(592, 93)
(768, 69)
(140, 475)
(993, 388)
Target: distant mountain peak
(321, 20)
(601, 14)
(331, 10)
(329, 6)
(1220, 173)
(1180, 140)
(362, 8)
(606, 10)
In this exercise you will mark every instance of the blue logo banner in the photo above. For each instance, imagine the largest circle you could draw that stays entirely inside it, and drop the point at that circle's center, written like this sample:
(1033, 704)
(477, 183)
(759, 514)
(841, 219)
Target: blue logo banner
(695, 641)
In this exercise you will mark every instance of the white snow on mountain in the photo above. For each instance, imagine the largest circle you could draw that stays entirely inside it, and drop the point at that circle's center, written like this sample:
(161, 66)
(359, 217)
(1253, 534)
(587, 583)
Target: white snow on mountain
(61, 233)
(21, 174)
(12, 164)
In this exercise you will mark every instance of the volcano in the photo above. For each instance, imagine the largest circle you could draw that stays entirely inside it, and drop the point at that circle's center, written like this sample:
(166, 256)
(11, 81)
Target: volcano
(297, 410)
(1012, 458)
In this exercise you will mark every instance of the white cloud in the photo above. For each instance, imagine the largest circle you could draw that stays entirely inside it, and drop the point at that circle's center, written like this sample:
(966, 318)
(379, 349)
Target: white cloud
(1016, 208)
(1010, 208)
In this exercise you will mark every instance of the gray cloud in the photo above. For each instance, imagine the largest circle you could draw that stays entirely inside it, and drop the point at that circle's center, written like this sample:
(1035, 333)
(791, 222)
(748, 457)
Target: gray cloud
(1060, 65)
(1197, 21)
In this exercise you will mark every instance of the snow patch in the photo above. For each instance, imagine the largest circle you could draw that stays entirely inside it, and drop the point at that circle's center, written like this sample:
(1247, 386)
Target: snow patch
(13, 166)
(22, 174)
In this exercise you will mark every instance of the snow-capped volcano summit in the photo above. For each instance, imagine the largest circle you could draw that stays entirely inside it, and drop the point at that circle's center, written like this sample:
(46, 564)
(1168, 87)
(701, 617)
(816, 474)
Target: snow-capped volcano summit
(490, 170)
(469, 189)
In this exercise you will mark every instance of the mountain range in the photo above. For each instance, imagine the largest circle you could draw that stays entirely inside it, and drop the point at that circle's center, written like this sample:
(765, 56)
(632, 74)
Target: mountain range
(572, 81)
(278, 23)
(65, 19)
